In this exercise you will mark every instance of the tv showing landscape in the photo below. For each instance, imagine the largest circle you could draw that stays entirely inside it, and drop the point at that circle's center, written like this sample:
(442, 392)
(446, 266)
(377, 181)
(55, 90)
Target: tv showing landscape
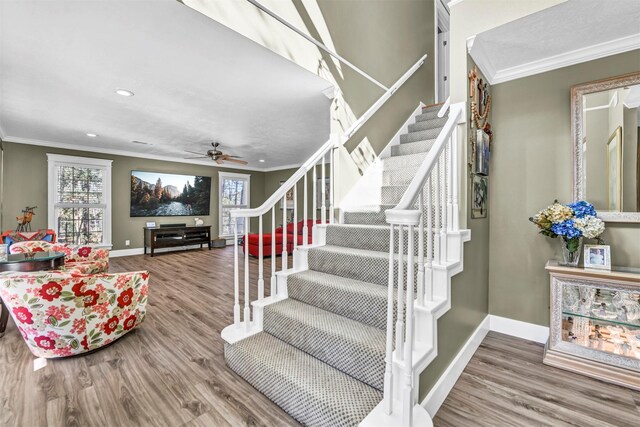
(163, 194)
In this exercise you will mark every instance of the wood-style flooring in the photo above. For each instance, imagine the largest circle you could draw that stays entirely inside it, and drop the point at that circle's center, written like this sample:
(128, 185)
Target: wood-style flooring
(171, 371)
(506, 384)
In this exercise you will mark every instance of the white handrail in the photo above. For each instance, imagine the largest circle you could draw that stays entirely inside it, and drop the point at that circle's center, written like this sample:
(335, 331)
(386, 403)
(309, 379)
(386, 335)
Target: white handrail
(417, 184)
(326, 147)
(444, 108)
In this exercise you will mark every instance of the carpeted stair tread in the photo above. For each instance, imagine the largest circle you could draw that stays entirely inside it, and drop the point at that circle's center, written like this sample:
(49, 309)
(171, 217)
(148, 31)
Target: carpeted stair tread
(436, 123)
(367, 216)
(404, 161)
(358, 264)
(409, 148)
(361, 301)
(420, 135)
(399, 176)
(309, 390)
(350, 346)
(370, 237)
(429, 115)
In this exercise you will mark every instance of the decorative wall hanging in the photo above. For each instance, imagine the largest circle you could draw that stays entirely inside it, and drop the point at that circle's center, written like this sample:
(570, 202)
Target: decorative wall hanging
(479, 188)
(481, 135)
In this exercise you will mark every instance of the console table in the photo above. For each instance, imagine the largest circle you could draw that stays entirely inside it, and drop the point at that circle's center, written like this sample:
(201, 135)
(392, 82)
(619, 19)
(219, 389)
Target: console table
(174, 236)
(595, 323)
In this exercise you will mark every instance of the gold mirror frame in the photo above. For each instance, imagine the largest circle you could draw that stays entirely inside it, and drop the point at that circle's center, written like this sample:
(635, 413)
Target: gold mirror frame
(577, 134)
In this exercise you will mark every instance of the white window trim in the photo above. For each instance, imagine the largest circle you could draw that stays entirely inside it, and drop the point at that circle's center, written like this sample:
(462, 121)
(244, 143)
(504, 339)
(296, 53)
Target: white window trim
(55, 160)
(221, 177)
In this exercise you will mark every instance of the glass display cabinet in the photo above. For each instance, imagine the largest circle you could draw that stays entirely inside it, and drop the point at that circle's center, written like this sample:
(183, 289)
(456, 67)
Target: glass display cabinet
(595, 323)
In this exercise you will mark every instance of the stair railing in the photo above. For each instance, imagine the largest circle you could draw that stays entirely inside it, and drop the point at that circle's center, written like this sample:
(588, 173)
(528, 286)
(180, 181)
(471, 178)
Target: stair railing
(431, 196)
(241, 217)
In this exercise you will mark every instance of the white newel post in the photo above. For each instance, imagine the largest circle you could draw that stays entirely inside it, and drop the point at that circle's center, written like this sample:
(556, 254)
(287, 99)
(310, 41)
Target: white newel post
(331, 174)
(274, 280)
(399, 320)
(314, 210)
(247, 308)
(285, 255)
(443, 206)
(323, 190)
(455, 221)
(407, 392)
(388, 368)
(420, 281)
(428, 285)
(295, 219)
(236, 274)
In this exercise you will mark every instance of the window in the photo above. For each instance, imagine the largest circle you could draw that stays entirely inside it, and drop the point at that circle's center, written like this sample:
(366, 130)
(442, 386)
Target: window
(234, 194)
(80, 199)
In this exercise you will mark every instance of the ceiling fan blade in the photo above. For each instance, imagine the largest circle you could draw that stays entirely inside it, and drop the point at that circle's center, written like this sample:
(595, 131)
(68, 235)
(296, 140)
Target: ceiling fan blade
(219, 161)
(242, 162)
(199, 157)
(194, 152)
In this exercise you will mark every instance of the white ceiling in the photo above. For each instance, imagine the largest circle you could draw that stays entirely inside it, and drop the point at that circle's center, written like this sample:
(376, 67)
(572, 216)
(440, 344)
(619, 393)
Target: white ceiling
(568, 33)
(194, 81)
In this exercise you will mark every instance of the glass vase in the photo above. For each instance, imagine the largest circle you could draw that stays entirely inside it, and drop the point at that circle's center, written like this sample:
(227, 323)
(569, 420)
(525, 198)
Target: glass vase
(571, 249)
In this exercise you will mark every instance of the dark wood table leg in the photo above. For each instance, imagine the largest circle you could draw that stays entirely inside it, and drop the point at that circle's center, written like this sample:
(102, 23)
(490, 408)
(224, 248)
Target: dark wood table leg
(4, 317)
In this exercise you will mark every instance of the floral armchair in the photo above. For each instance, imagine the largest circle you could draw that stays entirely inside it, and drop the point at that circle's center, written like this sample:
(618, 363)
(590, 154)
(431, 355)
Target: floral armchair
(62, 314)
(78, 259)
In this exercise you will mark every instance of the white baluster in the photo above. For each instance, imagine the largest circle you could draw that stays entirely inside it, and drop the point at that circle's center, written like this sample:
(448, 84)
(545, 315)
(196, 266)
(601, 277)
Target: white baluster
(455, 221)
(420, 283)
(295, 218)
(437, 216)
(450, 169)
(274, 280)
(247, 310)
(323, 209)
(399, 319)
(331, 184)
(388, 369)
(236, 274)
(315, 203)
(429, 265)
(305, 225)
(260, 261)
(407, 392)
(443, 206)
(285, 254)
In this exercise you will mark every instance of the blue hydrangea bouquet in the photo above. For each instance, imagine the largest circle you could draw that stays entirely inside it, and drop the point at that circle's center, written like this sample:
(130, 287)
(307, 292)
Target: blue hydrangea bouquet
(572, 223)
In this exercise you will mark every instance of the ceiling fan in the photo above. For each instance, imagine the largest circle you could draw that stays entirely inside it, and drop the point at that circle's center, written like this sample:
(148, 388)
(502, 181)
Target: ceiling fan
(217, 156)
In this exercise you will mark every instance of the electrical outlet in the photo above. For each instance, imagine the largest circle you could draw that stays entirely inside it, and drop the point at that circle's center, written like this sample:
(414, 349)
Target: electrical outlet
(127, 242)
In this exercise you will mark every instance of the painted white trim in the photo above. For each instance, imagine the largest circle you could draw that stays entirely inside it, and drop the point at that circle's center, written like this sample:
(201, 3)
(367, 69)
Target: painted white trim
(519, 329)
(453, 3)
(140, 251)
(3, 134)
(55, 160)
(565, 59)
(125, 153)
(470, 41)
(221, 177)
(439, 392)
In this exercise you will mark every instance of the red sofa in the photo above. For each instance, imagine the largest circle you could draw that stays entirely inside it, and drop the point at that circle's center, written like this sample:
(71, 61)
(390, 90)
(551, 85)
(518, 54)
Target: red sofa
(254, 239)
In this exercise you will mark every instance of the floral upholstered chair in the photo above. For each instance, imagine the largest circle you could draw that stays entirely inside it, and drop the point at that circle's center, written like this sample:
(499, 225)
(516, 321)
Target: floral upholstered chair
(78, 259)
(60, 313)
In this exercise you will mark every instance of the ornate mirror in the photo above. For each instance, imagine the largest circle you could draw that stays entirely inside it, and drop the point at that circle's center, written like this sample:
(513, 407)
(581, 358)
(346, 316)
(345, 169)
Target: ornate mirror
(605, 120)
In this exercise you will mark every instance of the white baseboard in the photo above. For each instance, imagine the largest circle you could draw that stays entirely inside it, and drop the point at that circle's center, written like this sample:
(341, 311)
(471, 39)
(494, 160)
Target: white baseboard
(140, 251)
(445, 383)
(515, 328)
(519, 329)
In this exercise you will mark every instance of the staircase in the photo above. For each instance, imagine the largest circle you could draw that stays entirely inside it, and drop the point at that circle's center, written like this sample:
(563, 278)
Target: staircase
(323, 346)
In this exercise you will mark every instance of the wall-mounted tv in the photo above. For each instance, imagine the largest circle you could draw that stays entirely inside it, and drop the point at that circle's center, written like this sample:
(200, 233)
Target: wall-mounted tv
(164, 194)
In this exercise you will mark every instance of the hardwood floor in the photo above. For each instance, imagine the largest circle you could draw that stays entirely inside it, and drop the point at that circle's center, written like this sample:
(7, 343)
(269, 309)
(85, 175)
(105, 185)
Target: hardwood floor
(506, 384)
(169, 372)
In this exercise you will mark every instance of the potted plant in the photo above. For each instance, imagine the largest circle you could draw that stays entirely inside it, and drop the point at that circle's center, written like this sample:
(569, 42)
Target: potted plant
(571, 223)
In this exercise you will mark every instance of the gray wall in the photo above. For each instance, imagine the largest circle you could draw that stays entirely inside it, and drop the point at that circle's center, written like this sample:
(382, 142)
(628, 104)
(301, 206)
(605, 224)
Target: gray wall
(531, 166)
(25, 184)
(469, 290)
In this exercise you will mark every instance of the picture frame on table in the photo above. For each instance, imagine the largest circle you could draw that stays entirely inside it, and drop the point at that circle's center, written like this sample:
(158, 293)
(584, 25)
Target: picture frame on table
(597, 257)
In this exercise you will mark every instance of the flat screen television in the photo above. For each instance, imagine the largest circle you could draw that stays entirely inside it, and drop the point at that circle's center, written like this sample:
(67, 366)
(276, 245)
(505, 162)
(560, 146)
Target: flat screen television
(164, 194)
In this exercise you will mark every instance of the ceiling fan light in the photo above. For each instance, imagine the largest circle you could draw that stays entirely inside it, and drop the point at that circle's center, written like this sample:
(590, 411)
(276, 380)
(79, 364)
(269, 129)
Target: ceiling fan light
(124, 92)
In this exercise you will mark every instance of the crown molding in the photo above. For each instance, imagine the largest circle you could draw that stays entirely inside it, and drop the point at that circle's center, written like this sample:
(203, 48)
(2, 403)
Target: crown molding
(590, 53)
(3, 134)
(44, 143)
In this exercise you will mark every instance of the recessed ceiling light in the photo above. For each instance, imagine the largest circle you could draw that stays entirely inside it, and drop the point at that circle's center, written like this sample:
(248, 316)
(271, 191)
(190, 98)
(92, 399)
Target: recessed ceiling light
(124, 92)
(261, 160)
(92, 135)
